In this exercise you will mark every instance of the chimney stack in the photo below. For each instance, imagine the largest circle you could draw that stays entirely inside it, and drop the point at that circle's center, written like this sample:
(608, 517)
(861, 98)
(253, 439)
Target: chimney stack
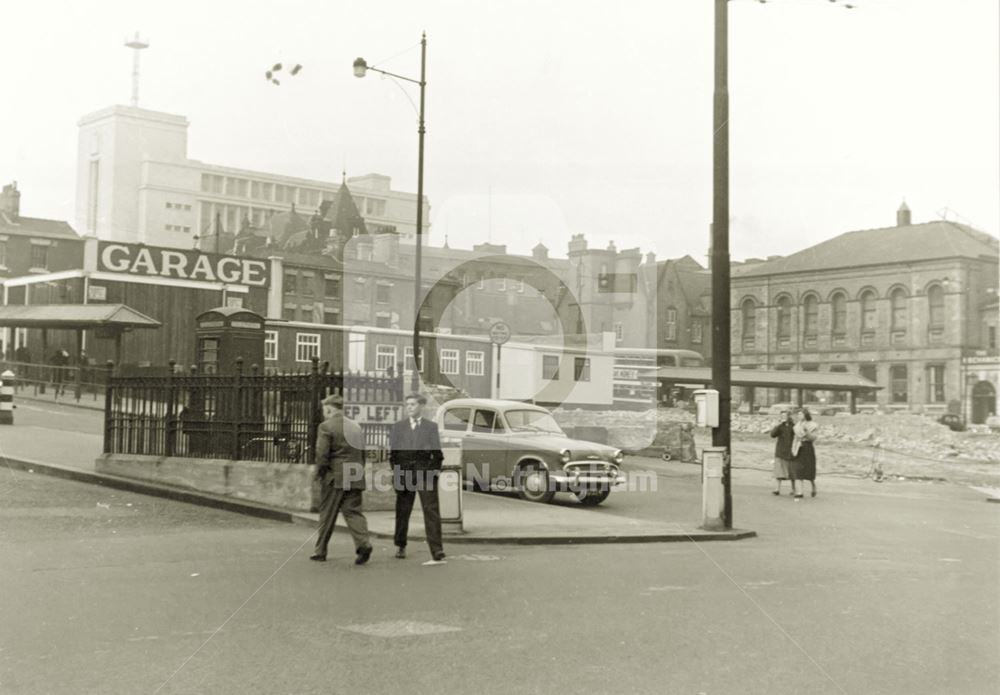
(577, 244)
(10, 201)
(540, 252)
(903, 216)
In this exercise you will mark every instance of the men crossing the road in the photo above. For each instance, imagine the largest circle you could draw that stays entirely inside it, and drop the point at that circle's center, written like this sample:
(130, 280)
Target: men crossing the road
(340, 466)
(416, 456)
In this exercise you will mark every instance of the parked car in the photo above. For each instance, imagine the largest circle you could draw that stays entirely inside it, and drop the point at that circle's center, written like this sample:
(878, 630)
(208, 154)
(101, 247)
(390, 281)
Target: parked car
(954, 422)
(993, 422)
(509, 445)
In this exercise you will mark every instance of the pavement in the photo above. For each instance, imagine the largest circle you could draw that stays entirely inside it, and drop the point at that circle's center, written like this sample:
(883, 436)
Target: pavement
(867, 588)
(63, 440)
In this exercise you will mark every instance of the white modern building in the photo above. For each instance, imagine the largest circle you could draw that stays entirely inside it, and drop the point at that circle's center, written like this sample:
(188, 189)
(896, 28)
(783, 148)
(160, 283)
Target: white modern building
(136, 183)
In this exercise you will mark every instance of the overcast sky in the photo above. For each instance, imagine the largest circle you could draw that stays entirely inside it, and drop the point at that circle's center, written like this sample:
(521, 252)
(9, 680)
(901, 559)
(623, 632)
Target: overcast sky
(546, 118)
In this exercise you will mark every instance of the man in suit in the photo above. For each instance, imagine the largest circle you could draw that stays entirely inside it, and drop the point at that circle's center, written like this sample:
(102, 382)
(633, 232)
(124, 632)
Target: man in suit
(340, 467)
(416, 456)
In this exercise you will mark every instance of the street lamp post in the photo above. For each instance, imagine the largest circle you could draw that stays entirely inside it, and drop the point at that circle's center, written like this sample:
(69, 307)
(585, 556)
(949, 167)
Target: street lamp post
(721, 362)
(361, 67)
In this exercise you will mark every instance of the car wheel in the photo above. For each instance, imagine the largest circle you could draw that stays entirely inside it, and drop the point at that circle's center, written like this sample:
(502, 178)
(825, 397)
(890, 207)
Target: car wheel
(533, 484)
(592, 498)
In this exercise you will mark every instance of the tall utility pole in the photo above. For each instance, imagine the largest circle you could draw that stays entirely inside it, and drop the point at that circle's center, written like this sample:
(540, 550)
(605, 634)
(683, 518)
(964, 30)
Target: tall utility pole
(721, 363)
(136, 44)
(361, 67)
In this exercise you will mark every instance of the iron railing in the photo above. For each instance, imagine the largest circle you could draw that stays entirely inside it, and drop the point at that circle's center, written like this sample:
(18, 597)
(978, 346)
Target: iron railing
(78, 381)
(247, 417)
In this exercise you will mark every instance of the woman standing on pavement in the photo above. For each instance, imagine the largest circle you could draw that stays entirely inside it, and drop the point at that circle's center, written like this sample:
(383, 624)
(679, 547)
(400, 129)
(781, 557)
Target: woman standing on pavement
(804, 455)
(784, 433)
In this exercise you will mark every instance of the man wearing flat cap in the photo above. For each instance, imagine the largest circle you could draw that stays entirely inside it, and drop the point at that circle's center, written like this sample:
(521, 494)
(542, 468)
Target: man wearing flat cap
(416, 456)
(340, 467)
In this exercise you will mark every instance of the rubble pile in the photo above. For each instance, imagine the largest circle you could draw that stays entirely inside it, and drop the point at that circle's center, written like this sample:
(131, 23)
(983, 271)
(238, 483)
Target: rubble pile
(915, 435)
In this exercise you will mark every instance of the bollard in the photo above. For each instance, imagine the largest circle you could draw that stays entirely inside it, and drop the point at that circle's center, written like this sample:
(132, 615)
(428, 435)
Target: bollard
(7, 398)
(450, 486)
(713, 463)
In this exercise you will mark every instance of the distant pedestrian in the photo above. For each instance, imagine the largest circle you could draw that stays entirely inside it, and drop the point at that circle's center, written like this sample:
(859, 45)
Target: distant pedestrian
(340, 466)
(784, 433)
(416, 456)
(804, 454)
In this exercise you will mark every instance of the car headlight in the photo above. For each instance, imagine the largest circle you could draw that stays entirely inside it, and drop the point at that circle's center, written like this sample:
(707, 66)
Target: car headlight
(565, 455)
(619, 457)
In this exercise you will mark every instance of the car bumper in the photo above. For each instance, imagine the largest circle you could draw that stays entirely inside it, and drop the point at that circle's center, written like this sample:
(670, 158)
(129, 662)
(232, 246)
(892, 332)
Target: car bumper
(570, 478)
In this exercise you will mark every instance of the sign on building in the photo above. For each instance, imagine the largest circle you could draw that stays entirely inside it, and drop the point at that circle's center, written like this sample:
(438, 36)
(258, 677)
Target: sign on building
(181, 264)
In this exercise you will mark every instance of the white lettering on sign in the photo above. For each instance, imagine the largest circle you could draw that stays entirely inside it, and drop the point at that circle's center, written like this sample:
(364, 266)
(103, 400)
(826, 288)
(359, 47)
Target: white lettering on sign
(231, 276)
(373, 413)
(183, 265)
(244, 324)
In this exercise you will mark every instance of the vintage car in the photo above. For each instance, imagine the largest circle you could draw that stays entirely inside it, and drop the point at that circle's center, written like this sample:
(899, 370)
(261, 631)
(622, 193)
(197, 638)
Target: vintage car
(509, 445)
(954, 422)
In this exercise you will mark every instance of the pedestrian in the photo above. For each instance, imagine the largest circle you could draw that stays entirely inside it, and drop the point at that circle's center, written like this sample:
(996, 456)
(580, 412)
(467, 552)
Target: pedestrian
(784, 433)
(803, 454)
(415, 455)
(340, 466)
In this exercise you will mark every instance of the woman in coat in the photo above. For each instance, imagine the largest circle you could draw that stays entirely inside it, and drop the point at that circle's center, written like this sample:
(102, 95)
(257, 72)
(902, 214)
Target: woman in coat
(784, 433)
(804, 455)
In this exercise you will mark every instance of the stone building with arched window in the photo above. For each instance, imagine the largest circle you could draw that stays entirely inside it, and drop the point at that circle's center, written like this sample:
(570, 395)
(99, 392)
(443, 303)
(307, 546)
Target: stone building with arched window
(913, 307)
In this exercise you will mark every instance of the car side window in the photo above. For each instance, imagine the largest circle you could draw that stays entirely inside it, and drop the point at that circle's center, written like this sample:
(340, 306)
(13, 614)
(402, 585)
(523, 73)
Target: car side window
(487, 422)
(457, 419)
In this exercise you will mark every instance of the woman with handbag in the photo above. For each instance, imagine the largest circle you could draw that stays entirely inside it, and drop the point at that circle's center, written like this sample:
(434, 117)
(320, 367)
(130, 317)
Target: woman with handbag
(803, 454)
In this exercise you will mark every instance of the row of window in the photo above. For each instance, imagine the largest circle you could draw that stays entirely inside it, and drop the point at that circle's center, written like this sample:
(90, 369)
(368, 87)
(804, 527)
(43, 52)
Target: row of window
(899, 314)
(177, 228)
(697, 328)
(303, 283)
(551, 365)
(307, 346)
(308, 198)
(177, 206)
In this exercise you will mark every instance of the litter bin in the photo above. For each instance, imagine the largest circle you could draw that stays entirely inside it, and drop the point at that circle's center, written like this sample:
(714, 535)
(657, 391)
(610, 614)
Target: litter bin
(450, 485)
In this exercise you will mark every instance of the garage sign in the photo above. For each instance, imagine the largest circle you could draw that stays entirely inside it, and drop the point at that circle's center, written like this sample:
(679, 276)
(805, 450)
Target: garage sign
(181, 264)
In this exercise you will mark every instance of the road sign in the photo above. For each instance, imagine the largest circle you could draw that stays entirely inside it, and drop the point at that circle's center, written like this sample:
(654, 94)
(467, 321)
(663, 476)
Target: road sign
(499, 333)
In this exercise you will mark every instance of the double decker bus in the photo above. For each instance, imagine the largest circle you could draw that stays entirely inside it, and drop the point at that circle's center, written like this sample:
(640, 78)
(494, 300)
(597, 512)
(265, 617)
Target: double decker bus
(635, 382)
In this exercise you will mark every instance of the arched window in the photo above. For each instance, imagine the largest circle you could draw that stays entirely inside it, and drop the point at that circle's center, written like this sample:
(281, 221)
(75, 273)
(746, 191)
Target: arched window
(839, 303)
(784, 318)
(811, 311)
(749, 314)
(935, 305)
(898, 300)
(869, 317)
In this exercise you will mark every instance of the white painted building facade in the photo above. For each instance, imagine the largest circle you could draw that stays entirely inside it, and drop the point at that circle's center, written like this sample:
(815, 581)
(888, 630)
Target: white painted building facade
(136, 183)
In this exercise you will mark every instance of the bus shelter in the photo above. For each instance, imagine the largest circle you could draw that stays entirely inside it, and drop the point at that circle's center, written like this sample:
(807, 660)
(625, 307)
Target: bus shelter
(852, 384)
(106, 320)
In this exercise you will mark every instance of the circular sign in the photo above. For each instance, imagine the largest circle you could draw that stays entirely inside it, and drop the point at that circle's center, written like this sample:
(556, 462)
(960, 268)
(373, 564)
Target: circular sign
(499, 333)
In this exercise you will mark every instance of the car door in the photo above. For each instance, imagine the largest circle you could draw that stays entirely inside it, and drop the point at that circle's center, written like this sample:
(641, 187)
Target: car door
(455, 423)
(487, 443)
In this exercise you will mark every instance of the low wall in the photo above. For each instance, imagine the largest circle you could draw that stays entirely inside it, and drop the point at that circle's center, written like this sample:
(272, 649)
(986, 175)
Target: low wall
(281, 485)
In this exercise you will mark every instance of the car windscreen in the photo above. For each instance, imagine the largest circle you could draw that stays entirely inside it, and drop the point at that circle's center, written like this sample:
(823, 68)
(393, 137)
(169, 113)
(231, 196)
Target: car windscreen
(532, 421)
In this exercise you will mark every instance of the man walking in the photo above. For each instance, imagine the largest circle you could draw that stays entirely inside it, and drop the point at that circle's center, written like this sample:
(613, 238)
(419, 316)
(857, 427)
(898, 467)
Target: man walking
(416, 456)
(340, 467)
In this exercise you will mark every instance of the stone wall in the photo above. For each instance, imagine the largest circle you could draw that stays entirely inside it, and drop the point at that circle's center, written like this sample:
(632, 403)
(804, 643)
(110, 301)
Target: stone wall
(281, 485)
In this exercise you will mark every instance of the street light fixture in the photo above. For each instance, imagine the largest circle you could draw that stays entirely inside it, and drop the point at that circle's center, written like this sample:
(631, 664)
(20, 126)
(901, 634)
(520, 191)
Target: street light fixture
(361, 68)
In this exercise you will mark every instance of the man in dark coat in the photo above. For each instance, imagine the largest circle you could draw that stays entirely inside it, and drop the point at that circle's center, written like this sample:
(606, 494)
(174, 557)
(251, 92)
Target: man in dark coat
(416, 456)
(340, 467)
(784, 433)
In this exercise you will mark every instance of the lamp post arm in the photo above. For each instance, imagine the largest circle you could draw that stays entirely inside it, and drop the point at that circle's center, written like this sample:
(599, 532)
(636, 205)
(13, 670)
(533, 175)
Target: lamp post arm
(392, 74)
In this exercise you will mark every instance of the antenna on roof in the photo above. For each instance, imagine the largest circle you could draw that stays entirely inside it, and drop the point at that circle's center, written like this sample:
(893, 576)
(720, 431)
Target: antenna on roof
(136, 44)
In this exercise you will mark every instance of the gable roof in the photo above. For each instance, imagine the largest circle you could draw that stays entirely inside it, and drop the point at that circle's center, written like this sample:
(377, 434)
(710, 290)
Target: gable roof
(910, 243)
(36, 226)
(74, 316)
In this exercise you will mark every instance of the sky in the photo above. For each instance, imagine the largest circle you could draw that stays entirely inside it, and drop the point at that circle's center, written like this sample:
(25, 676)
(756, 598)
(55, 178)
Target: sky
(546, 119)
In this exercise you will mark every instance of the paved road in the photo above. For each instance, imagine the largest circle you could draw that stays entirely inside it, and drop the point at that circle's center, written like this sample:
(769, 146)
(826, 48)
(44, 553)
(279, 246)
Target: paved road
(108, 592)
